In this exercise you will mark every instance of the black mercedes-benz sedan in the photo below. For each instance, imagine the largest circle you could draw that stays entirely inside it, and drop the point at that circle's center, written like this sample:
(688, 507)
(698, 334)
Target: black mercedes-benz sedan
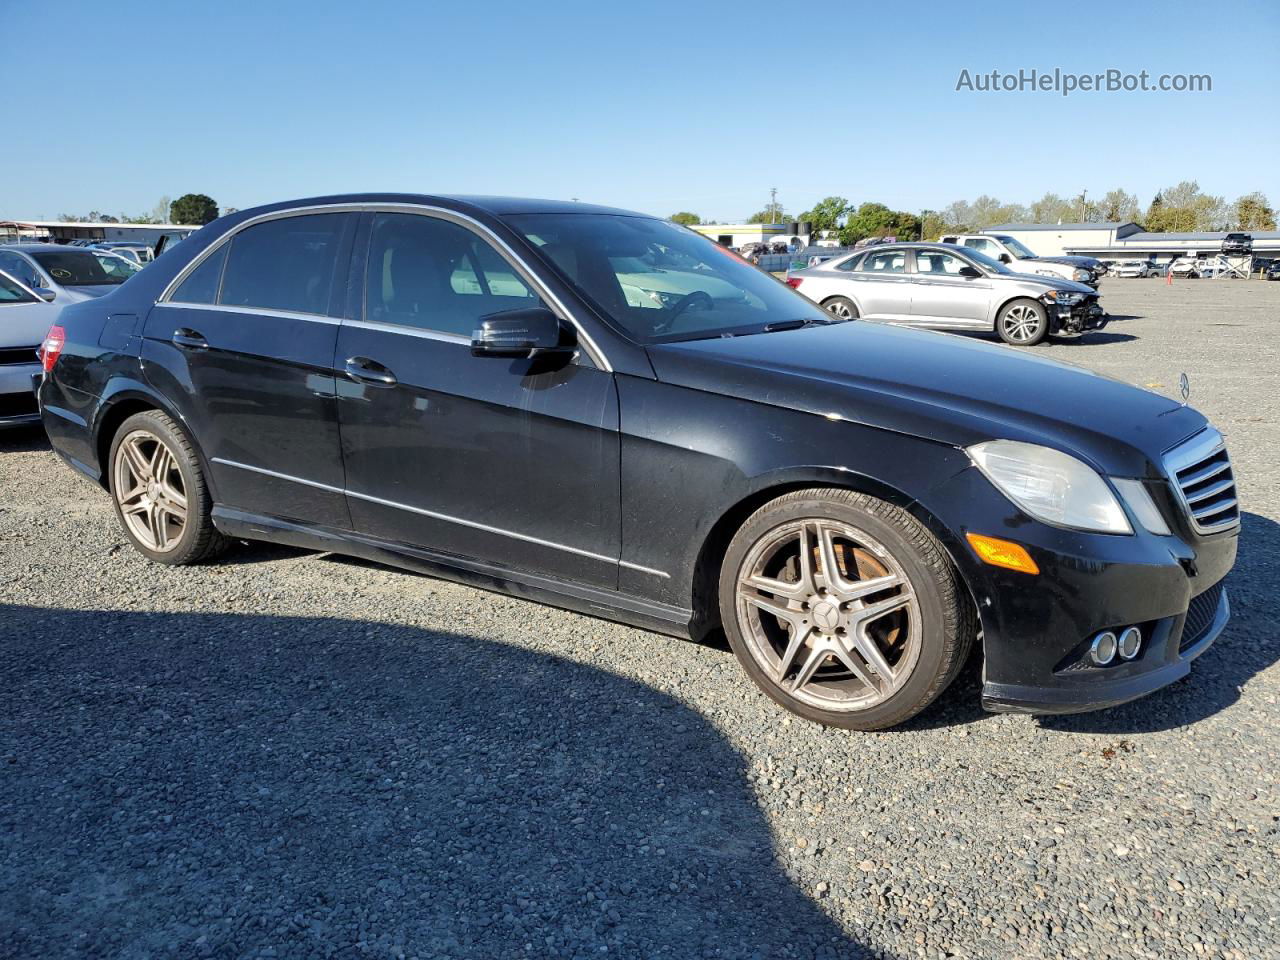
(607, 412)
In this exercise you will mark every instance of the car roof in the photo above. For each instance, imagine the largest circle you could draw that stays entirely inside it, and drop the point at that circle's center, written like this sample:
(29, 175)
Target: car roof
(495, 206)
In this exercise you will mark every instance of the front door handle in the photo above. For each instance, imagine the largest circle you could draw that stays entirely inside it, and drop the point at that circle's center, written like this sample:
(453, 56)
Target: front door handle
(191, 339)
(370, 371)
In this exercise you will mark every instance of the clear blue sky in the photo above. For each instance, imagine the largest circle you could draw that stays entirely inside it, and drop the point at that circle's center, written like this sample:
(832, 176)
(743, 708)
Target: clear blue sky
(654, 106)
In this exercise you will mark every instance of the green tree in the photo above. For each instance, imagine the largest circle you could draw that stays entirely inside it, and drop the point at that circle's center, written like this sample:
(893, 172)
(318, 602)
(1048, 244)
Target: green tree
(773, 213)
(193, 208)
(1252, 212)
(686, 218)
(1050, 208)
(1118, 206)
(932, 225)
(1184, 208)
(869, 220)
(827, 214)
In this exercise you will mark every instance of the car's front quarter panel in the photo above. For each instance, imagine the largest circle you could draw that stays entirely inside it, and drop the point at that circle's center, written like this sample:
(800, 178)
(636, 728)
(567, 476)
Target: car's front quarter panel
(690, 457)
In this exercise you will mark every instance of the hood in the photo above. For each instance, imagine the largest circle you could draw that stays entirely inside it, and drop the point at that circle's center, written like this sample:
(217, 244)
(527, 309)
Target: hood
(1087, 263)
(1049, 283)
(937, 386)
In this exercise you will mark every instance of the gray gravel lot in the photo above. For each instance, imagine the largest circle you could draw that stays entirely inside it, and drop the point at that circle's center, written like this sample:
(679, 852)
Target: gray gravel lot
(295, 755)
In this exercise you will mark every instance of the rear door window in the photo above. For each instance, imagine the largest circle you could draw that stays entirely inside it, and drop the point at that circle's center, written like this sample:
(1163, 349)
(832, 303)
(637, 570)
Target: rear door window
(893, 261)
(287, 264)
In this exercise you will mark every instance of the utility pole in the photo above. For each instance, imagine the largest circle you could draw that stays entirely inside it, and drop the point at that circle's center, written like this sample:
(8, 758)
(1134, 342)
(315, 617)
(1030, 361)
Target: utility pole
(773, 204)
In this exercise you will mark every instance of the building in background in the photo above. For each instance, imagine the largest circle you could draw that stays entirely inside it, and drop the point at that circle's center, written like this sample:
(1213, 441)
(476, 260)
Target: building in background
(1126, 241)
(739, 234)
(61, 231)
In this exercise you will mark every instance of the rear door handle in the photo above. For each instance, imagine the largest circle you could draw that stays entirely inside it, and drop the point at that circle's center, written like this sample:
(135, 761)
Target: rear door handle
(191, 339)
(370, 371)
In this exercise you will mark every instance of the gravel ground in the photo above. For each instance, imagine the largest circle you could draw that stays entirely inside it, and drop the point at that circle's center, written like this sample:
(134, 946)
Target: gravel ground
(293, 755)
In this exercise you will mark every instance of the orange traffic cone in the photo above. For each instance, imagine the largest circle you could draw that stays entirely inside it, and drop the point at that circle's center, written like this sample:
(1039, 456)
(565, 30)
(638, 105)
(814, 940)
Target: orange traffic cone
(1168, 277)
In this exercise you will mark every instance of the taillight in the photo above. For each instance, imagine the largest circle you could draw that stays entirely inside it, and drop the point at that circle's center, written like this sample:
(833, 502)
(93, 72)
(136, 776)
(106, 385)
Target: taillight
(51, 349)
(795, 282)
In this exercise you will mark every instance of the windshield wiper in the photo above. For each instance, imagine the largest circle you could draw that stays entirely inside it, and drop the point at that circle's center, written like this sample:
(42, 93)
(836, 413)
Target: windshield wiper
(795, 324)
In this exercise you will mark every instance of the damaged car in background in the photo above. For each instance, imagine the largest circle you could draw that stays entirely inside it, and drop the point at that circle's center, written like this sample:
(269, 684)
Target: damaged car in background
(944, 287)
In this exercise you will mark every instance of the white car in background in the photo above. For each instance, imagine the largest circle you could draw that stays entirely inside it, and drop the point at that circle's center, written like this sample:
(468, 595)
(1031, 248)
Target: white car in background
(25, 318)
(1136, 268)
(1188, 268)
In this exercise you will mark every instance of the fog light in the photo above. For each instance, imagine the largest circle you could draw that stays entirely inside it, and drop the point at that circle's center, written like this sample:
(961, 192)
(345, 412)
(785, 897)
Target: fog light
(1130, 643)
(1103, 650)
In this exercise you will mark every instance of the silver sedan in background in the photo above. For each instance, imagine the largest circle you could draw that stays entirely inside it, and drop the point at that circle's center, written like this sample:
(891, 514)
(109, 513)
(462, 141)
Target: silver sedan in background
(64, 273)
(945, 287)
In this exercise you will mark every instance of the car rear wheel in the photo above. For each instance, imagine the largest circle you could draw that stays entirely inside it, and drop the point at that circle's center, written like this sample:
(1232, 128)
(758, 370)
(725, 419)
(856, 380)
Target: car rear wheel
(841, 307)
(1023, 323)
(844, 609)
(159, 491)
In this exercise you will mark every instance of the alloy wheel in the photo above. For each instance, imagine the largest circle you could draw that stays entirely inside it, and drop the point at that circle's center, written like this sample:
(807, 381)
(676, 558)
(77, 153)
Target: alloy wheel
(828, 614)
(149, 490)
(1021, 323)
(841, 309)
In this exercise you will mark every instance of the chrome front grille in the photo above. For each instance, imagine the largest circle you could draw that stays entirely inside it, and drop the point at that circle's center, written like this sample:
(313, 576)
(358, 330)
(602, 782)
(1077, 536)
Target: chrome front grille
(1201, 473)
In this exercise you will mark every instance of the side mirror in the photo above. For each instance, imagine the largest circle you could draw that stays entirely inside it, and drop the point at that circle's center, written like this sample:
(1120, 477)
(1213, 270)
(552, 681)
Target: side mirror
(970, 273)
(533, 332)
(1005, 258)
(44, 293)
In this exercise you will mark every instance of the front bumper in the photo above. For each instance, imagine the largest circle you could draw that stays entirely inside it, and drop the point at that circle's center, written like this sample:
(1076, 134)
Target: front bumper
(1037, 629)
(1071, 320)
(1169, 648)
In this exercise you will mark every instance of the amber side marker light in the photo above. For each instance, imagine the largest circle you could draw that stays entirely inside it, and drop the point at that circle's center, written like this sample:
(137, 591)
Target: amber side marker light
(1002, 553)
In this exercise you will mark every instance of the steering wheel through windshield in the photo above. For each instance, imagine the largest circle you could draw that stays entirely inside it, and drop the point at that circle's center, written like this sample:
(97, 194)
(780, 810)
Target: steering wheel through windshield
(689, 299)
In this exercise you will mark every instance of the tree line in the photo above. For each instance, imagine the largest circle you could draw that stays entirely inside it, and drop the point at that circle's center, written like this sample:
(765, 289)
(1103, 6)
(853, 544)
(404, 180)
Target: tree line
(194, 208)
(1183, 208)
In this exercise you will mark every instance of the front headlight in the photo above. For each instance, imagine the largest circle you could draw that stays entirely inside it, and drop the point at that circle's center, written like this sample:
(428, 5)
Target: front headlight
(1050, 485)
(1080, 276)
(1063, 296)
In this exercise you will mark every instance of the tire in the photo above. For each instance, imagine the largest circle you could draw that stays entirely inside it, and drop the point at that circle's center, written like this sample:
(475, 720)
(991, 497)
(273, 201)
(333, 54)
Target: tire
(850, 666)
(841, 307)
(1023, 323)
(159, 492)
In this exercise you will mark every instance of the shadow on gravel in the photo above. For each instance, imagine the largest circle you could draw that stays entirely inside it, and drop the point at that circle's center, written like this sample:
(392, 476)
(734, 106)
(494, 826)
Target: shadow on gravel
(1249, 645)
(1102, 336)
(212, 785)
(23, 439)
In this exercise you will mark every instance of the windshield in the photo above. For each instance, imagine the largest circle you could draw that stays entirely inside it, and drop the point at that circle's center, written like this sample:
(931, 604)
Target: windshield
(1019, 251)
(659, 282)
(86, 268)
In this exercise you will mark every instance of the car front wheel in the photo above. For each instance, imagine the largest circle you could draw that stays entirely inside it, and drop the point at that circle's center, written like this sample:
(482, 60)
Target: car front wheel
(844, 608)
(159, 491)
(1023, 323)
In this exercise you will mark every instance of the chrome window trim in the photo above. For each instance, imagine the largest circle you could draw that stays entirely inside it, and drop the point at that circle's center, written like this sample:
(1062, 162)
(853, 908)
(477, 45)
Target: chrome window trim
(422, 333)
(474, 525)
(424, 209)
(255, 311)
